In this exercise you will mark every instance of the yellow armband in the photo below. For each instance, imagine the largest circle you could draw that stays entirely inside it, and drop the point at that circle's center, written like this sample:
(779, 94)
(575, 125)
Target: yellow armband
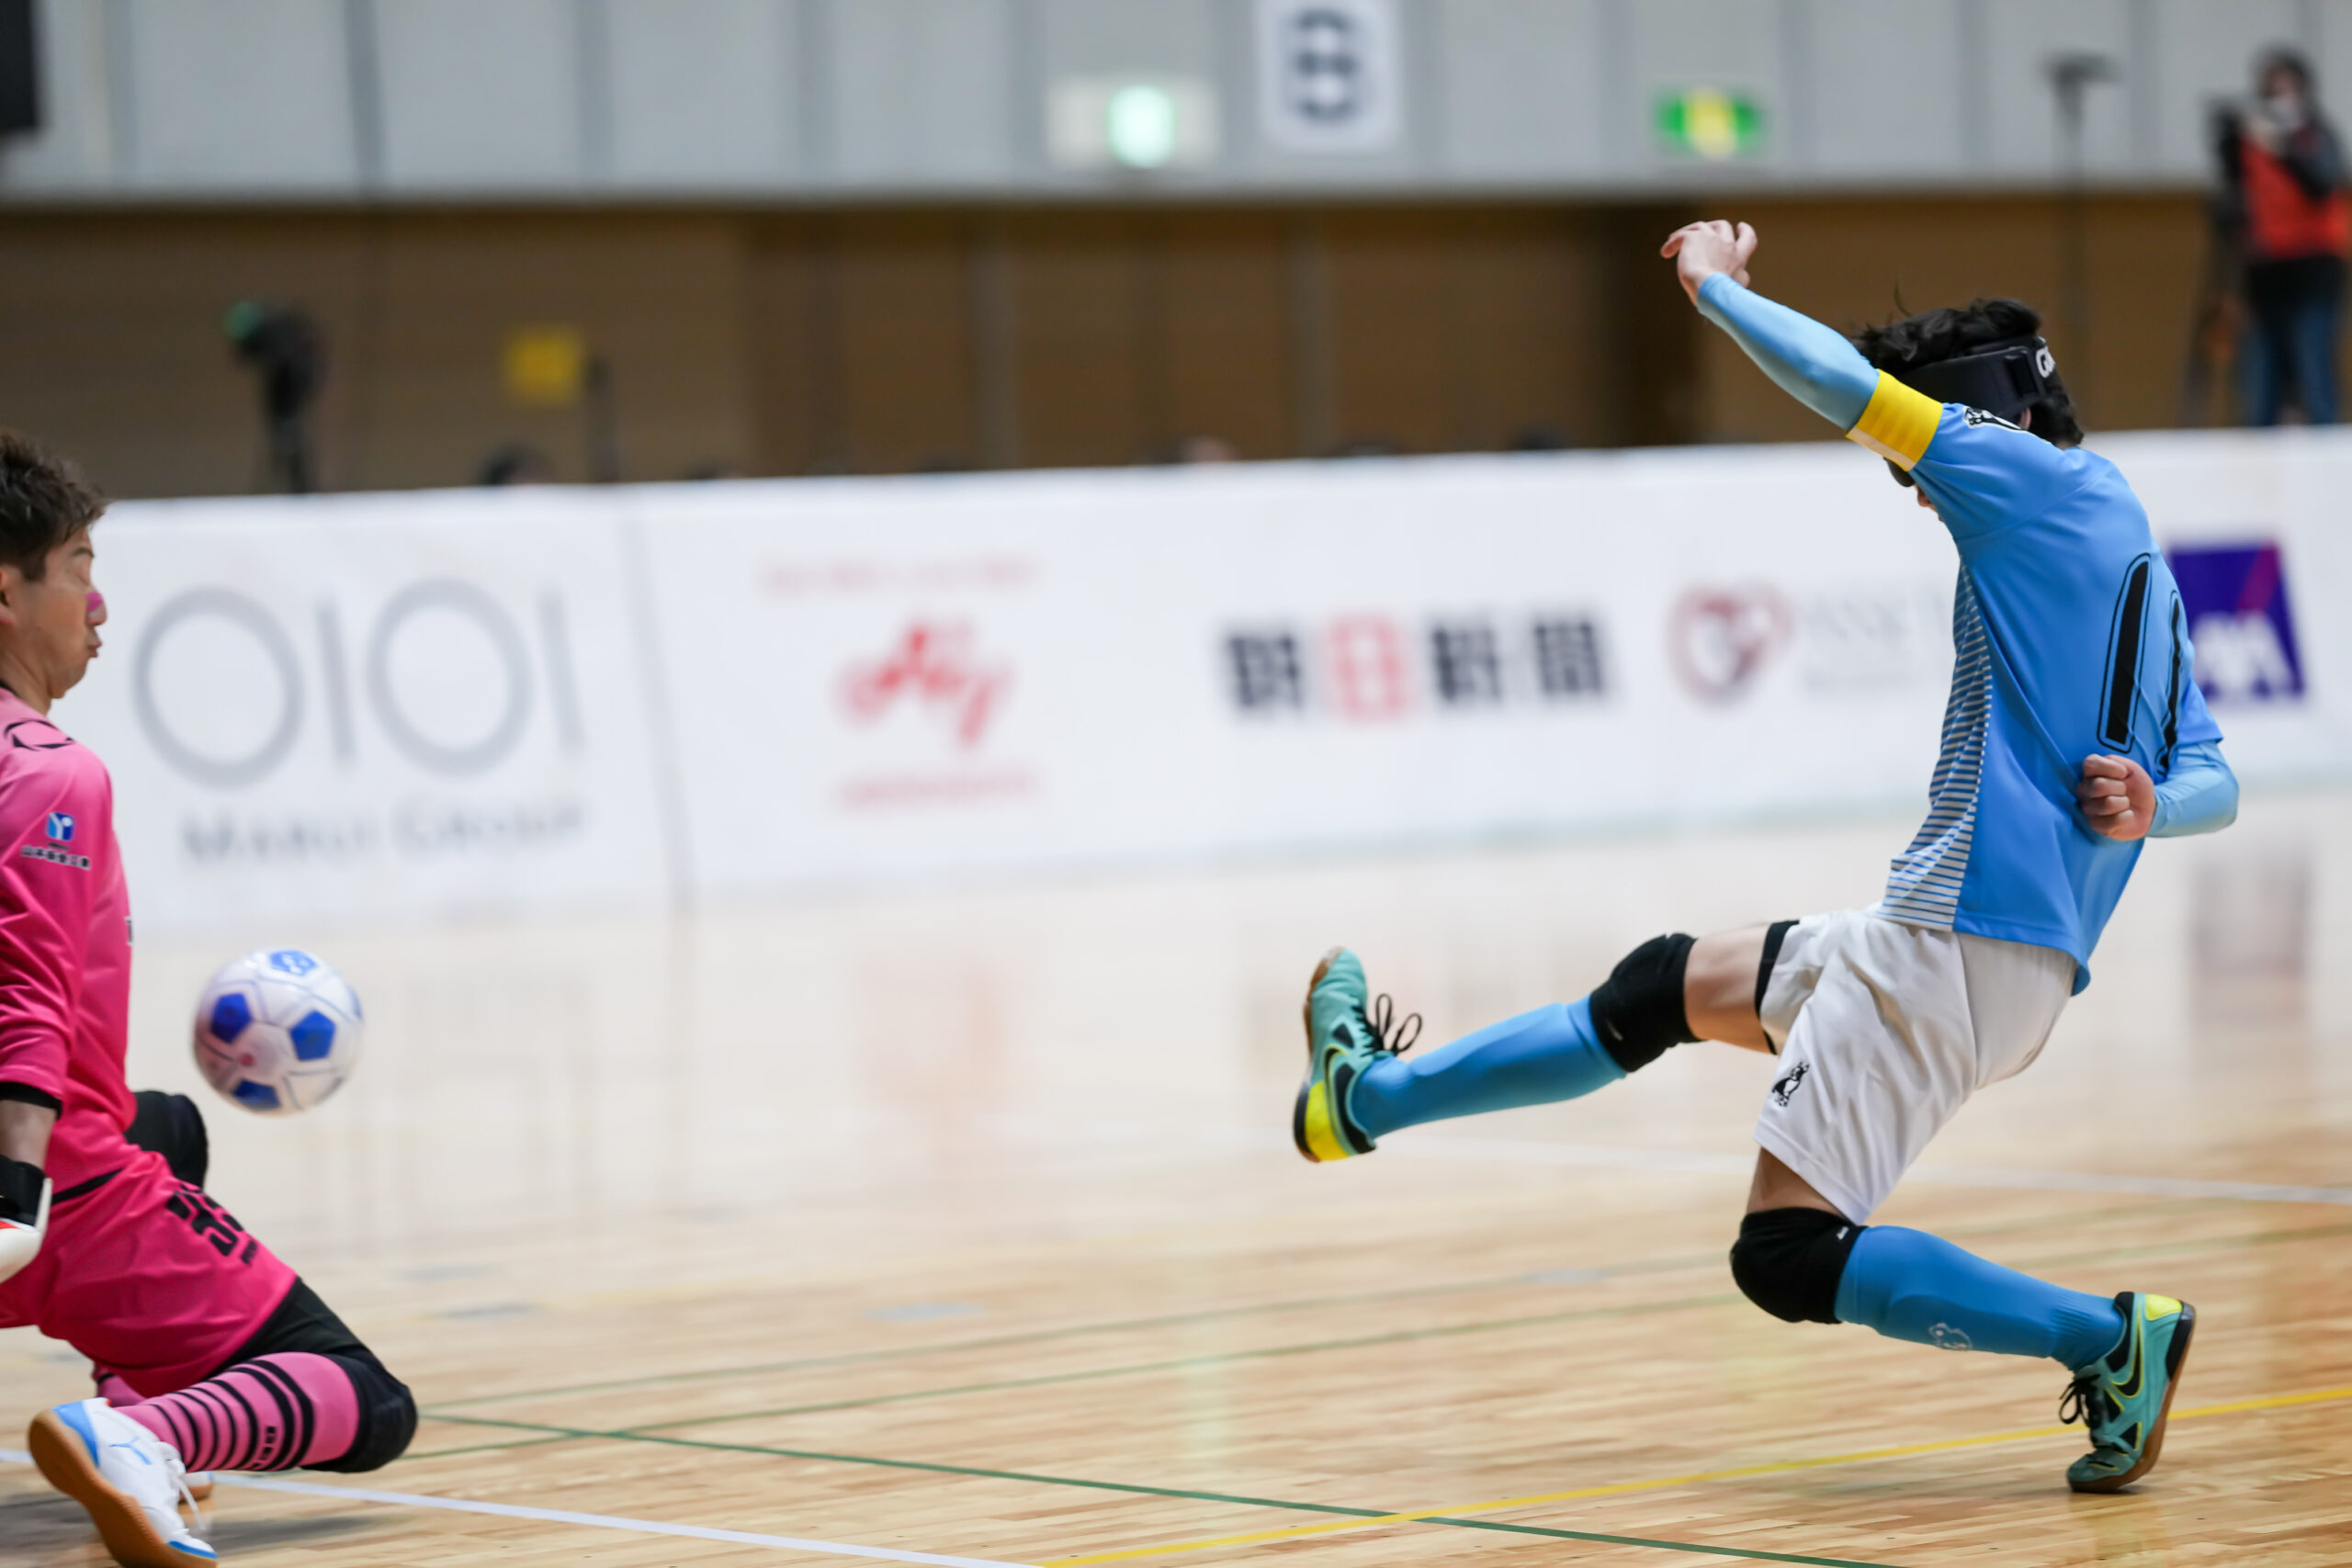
(1898, 424)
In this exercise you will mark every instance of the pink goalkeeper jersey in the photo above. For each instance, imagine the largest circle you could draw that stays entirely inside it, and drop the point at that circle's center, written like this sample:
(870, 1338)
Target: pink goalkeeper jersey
(65, 942)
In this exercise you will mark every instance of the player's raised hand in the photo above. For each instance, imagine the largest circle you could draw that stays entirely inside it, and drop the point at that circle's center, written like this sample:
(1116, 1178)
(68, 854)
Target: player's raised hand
(1701, 250)
(2119, 799)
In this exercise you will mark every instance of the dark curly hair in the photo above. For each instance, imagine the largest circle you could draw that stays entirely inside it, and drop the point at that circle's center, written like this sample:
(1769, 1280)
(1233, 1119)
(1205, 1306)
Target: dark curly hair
(43, 499)
(1934, 335)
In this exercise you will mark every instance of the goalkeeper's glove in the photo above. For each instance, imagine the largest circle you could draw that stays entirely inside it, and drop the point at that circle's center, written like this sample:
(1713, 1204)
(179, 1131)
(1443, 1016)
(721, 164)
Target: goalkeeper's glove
(24, 1213)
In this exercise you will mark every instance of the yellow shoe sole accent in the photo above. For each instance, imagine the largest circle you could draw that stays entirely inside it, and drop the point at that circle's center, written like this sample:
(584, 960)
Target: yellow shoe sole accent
(1311, 1119)
(1315, 1122)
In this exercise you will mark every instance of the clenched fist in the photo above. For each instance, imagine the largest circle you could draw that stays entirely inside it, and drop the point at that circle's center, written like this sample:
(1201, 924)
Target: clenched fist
(2119, 799)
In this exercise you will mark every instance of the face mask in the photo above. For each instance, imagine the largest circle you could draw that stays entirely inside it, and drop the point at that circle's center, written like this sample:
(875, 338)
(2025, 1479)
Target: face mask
(2284, 108)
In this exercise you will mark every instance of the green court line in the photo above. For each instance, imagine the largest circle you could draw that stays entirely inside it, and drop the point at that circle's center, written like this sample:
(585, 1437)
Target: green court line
(1183, 1494)
(484, 1448)
(624, 1435)
(1214, 1358)
(1212, 1314)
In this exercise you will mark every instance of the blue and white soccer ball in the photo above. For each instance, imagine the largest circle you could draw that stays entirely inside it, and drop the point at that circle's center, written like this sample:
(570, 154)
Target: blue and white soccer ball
(278, 1030)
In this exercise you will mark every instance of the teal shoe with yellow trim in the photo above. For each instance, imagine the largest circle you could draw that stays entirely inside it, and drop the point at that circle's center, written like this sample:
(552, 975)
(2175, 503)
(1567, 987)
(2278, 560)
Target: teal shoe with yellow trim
(2124, 1396)
(1347, 1032)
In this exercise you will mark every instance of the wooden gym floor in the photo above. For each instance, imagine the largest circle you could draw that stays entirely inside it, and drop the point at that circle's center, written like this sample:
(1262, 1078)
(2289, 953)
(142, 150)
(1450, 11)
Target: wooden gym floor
(964, 1227)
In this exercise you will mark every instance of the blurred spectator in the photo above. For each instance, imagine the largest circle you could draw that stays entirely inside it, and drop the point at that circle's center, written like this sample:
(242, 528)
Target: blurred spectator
(516, 464)
(285, 346)
(2283, 170)
(1205, 449)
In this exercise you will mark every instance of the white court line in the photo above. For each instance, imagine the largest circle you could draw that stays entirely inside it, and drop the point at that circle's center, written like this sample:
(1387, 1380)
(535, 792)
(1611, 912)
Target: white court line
(564, 1517)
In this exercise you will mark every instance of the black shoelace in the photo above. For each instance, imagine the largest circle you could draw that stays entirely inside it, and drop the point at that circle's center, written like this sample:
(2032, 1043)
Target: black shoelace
(2083, 1401)
(1389, 1032)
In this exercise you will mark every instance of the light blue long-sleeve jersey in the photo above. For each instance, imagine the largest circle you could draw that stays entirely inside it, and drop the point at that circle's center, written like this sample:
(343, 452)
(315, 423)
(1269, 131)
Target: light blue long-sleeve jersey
(2068, 637)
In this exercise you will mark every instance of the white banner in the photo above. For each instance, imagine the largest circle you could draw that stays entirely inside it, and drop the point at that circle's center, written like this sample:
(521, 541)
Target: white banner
(916, 676)
(411, 704)
(367, 706)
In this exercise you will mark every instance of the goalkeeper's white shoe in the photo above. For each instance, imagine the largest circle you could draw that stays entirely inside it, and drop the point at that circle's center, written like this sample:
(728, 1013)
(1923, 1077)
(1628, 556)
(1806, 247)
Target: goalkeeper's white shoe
(129, 1480)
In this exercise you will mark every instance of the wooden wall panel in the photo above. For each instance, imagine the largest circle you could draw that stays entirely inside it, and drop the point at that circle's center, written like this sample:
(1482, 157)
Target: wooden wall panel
(1523, 288)
(662, 302)
(1223, 331)
(114, 349)
(1850, 263)
(904, 355)
(1393, 314)
(889, 341)
(1080, 286)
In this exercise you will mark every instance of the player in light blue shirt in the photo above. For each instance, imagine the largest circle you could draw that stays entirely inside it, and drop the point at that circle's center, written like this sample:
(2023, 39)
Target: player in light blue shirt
(2075, 731)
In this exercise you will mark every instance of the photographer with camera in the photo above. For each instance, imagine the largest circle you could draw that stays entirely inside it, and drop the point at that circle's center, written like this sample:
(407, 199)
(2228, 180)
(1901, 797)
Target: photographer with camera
(2283, 174)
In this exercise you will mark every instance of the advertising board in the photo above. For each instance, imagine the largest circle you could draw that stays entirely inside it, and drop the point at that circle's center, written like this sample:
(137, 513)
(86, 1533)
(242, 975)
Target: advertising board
(411, 705)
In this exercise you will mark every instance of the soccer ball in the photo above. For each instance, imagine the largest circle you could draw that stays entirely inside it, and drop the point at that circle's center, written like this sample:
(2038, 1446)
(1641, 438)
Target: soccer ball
(278, 1030)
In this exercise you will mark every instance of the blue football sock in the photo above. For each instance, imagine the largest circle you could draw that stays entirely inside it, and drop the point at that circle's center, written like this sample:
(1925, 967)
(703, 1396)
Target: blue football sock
(1910, 1285)
(1550, 1053)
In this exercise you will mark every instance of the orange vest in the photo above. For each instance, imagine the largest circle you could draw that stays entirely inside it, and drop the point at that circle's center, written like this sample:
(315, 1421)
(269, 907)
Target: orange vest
(2283, 221)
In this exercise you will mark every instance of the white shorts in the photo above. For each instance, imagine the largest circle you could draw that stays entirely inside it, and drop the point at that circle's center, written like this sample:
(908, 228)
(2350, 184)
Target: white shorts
(1885, 1029)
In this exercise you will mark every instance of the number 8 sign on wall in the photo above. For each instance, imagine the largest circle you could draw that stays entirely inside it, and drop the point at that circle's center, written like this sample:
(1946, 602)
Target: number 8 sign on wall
(1328, 76)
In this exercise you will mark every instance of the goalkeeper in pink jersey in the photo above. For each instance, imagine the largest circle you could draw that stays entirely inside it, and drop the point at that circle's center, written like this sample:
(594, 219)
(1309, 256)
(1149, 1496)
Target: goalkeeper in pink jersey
(210, 1354)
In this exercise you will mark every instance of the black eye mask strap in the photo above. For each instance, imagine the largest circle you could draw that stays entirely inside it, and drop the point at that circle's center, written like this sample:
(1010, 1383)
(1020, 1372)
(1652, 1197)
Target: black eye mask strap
(2002, 379)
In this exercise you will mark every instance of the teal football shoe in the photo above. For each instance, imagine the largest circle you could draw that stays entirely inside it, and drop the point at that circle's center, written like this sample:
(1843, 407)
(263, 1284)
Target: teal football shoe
(2124, 1396)
(1343, 1041)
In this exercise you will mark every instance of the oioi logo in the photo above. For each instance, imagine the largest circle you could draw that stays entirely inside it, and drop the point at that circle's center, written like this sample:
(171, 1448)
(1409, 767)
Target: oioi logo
(408, 720)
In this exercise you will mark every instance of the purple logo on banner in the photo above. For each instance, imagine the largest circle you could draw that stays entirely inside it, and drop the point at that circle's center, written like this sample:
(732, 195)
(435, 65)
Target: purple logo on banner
(2235, 599)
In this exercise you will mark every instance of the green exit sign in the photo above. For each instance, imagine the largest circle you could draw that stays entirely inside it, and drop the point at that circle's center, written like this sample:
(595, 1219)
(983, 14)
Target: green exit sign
(1711, 123)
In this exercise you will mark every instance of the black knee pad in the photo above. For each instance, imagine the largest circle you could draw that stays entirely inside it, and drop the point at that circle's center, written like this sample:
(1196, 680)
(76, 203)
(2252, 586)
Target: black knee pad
(1639, 1010)
(1789, 1261)
(172, 1126)
(387, 1415)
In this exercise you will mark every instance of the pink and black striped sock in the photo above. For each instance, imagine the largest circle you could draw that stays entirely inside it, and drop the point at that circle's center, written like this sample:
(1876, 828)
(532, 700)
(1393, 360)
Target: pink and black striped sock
(272, 1413)
(114, 1391)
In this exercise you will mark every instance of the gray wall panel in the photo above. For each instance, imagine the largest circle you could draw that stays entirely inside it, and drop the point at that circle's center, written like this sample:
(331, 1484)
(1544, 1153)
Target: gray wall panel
(704, 93)
(1521, 82)
(1887, 101)
(557, 98)
(245, 93)
(2331, 53)
(74, 149)
(1099, 37)
(480, 94)
(1731, 45)
(2205, 53)
(2021, 37)
(921, 92)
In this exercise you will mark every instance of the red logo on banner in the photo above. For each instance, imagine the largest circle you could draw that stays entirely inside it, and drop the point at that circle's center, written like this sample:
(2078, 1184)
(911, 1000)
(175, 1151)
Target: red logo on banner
(1364, 667)
(934, 667)
(1722, 637)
